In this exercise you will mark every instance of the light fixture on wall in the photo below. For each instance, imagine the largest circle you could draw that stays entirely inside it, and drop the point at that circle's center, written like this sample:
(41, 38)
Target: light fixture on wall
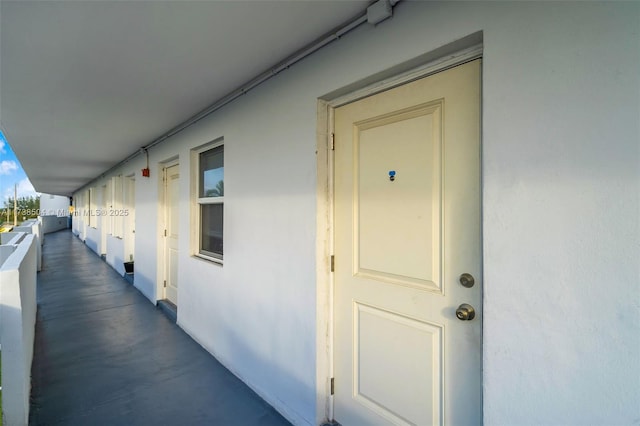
(145, 171)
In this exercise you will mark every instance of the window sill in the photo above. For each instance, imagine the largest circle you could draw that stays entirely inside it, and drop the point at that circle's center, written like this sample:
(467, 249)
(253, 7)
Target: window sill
(214, 260)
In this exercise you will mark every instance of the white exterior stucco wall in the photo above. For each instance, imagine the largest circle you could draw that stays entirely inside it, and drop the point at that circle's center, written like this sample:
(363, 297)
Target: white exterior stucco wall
(115, 245)
(115, 253)
(561, 180)
(54, 205)
(54, 212)
(92, 239)
(17, 328)
(561, 139)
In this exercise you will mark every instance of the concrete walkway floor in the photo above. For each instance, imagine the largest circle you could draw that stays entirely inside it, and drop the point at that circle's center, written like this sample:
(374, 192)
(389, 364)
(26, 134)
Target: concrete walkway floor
(105, 355)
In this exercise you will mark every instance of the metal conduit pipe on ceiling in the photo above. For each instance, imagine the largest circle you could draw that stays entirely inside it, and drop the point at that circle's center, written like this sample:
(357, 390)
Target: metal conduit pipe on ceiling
(374, 14)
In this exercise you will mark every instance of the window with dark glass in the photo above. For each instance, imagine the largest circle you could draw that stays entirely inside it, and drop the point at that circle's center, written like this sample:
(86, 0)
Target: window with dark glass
(211, 201)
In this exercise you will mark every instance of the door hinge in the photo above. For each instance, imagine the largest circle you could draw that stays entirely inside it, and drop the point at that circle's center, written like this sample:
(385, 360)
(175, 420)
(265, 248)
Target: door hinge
(333, 389)
(333, 141)
(165, 232)
(333, 263)
(165, 283)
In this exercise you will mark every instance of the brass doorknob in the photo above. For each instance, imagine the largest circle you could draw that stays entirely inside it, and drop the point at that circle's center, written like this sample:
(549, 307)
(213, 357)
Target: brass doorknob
(465, 312)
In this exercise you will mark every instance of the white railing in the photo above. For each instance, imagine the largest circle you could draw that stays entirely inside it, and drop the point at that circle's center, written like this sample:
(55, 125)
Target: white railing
(11, 238)
(32, 226)
(18, 275)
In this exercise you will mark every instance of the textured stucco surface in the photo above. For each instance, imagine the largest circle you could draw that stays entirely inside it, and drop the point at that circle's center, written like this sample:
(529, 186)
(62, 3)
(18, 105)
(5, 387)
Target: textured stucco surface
(561, 180)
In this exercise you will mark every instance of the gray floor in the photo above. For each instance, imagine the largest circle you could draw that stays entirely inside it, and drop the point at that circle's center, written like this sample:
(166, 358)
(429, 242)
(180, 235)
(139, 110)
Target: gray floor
(104, 355)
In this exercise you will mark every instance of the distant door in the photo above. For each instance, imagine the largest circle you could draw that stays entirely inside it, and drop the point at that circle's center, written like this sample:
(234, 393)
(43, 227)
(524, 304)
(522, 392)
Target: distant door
(407, 227)
(104, 218)
(130, 218)
(171, 179)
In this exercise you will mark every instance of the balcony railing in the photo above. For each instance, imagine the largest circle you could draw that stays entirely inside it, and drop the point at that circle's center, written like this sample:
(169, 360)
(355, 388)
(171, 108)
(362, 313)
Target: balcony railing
(19, 262)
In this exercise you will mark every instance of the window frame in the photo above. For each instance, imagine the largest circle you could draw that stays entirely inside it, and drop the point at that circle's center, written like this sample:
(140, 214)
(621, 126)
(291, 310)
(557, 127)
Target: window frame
(198, 202)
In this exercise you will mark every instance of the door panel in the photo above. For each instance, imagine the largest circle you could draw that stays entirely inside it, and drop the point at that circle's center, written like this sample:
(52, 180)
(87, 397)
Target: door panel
(414, 362)
(414, 163)
(172, 219)
(407, 225)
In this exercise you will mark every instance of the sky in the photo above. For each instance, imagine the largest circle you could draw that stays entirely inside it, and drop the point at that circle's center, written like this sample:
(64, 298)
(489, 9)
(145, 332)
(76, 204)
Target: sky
(11, 173)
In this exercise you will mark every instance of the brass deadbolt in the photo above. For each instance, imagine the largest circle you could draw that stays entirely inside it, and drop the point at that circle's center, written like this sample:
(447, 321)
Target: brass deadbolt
(467, 280)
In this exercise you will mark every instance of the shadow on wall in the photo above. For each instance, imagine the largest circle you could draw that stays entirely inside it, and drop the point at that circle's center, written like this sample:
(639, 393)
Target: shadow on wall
(274, 381)
(145, 285)
(54, 223)
(302, 410)
(16, 376)
(134, 352)
(92, 238)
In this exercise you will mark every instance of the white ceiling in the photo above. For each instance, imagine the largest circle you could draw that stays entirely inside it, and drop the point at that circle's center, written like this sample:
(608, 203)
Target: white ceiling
(83, 84)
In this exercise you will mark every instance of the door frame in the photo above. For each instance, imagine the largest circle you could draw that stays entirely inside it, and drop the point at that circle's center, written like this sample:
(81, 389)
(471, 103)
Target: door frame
(161, 246)
(325, 207)
(129, 226)
(105, 196)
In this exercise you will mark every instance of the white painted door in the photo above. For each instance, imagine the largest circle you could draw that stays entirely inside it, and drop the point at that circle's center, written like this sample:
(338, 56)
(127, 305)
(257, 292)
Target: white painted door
(103, 218)
(407, 226)
(172, 219)
(130, 218)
